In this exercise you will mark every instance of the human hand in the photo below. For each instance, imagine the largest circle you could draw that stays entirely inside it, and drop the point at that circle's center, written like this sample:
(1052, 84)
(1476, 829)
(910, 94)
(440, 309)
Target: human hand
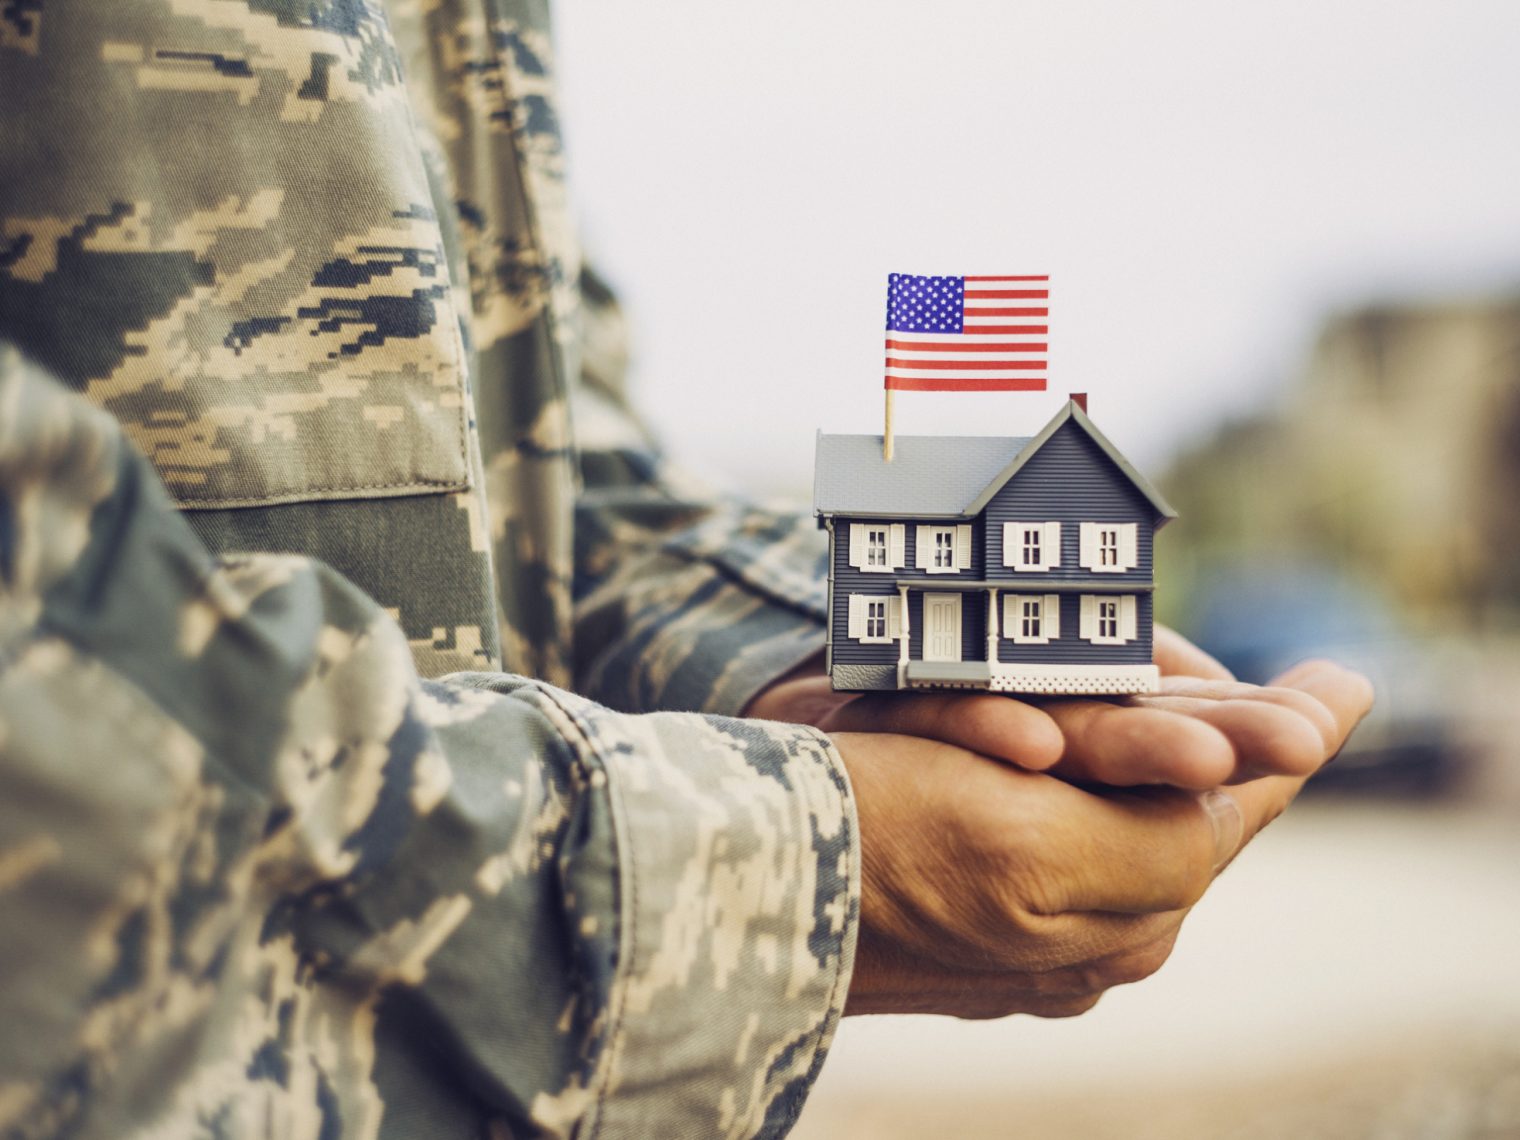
(989, 890)
(1202, 730)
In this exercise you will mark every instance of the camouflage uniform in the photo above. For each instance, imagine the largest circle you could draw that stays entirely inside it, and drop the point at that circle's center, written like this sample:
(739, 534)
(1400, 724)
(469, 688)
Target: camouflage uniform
(258, 877)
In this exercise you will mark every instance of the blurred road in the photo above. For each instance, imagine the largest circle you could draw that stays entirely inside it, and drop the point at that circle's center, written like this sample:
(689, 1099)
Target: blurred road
(1355, 973)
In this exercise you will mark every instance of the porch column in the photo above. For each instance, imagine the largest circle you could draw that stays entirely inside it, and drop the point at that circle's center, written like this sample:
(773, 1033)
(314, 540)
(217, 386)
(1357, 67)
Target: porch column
(904, 630)
(992, 625)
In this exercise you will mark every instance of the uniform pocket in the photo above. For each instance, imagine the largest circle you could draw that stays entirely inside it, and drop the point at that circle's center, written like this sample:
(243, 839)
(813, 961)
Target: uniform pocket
(235, 250)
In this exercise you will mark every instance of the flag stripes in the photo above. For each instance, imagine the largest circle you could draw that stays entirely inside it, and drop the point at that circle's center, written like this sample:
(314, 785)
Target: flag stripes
(964, 334)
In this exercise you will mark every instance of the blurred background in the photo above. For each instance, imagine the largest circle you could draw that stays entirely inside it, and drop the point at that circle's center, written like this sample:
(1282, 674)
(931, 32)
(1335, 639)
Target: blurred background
(1284, 243)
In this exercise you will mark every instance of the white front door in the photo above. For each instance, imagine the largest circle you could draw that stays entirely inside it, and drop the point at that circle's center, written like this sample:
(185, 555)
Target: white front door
(942, 627)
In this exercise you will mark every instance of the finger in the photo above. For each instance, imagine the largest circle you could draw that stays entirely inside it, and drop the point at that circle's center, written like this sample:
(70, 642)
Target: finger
(1292, 700)
(1347, 695)
(1344, 692)
(1129, 745)
(1175, 655)
(1000, 727)
(1267, 738)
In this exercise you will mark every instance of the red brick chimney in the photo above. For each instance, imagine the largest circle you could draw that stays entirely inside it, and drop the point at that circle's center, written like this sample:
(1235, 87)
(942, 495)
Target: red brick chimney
(1080, 399)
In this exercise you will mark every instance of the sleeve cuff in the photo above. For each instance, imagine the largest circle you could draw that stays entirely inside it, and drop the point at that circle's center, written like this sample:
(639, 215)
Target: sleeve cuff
(739, 878)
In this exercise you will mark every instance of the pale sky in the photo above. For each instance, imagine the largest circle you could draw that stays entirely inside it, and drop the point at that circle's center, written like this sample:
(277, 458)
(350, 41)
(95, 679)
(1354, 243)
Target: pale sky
(1203, 181)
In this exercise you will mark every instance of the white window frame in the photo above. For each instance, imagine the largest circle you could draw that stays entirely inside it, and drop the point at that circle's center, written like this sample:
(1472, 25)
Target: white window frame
(895, 536)
(1108, 612)
(1108, 556)
(861, 619)
(1032, 546)
(1109, 547)
(1125, 619)
(927, 548)
(1014, 535)
(1048, 616)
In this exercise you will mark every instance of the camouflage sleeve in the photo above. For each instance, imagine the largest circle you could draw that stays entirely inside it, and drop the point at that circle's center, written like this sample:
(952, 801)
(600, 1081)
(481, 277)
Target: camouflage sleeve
(257, 879)
(683, 599)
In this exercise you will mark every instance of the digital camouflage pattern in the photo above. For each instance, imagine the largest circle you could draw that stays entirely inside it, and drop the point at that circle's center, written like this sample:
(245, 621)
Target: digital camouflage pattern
(258, 878)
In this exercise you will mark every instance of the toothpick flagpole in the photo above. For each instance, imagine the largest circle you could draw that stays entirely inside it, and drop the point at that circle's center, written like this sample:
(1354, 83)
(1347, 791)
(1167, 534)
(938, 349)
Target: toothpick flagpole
(886, 436)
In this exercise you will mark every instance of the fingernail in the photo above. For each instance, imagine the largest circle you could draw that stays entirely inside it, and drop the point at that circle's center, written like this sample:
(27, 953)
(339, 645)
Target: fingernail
(1229, 825)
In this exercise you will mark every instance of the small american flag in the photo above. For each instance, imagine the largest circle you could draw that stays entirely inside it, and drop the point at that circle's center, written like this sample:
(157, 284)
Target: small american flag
(967, 334)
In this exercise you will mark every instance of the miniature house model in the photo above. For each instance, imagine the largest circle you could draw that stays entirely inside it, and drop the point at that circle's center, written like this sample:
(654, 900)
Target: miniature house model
(1018, 565)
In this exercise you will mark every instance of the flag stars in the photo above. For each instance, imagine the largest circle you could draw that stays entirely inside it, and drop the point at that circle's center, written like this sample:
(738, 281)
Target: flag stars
(924, 304)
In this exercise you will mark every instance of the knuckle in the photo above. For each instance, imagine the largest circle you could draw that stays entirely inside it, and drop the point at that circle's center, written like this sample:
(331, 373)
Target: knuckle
(1140, 965)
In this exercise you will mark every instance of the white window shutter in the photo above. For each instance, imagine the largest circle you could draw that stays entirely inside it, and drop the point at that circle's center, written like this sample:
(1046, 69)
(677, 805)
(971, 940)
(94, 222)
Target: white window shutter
(1088, 627)
(1129, 547)
(1088, 558)
(858, 545)
(894, 617)
(923, 547)
(896, 539)
(1052, 616)
(857, 616)
(1052, 546)
(963, 547)
(1011, 544)
(1010, 615)
(1127, 622)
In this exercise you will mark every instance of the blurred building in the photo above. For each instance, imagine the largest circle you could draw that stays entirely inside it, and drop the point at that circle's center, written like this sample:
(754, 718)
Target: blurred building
(1393, 459)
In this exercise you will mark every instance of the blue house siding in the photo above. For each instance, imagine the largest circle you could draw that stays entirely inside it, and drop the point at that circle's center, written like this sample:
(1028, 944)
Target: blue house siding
(1071, 481)
(844, 649)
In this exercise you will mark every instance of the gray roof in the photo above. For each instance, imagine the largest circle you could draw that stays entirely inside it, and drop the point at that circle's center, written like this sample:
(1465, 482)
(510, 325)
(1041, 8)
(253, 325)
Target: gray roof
(930, 475)
(941, 475)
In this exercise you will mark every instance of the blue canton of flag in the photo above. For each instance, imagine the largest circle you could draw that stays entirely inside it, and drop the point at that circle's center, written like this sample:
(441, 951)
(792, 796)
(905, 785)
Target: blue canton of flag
(924, 304)
(968, 334)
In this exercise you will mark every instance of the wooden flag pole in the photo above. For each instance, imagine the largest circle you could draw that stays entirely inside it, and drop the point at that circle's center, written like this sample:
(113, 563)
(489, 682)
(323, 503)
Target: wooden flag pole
(886, 437)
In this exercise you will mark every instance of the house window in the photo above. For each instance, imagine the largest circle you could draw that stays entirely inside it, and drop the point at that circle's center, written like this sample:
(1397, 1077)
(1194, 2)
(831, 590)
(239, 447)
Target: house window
(944, 549)
(1109, 619)
(1032, 619)
(1032, 545)
(1108, 616)
(1109, 547)
(877, 547)
(875, 619)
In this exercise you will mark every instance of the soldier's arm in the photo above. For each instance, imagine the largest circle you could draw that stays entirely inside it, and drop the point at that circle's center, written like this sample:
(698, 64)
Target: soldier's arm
(254, 872)
(684, 599)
